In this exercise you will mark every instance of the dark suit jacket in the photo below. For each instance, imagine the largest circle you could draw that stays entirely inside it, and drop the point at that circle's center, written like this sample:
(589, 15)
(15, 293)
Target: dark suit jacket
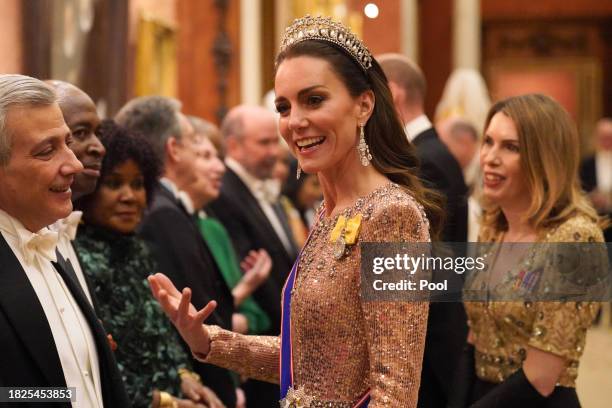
(28, 355)
(588, 178)
(446, 325)
(441, 171)
(249, 228)
(588, 174)
(184, 257)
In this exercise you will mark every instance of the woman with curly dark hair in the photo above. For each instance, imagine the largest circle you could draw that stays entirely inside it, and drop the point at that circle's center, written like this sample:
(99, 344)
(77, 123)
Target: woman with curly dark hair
(152, 361)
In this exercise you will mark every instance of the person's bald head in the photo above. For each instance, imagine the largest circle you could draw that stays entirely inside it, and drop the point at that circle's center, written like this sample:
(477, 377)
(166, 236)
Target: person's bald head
(405, 78)
(82, 118)
(251, 138)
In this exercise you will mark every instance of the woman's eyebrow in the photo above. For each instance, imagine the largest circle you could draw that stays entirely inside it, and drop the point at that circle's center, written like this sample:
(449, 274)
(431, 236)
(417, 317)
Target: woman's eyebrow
(301, 92)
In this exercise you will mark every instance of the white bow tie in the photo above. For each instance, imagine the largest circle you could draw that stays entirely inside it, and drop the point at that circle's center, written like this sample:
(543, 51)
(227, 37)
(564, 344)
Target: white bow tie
(31, 245)
(42, 244)
(68, 226)
(267, 190)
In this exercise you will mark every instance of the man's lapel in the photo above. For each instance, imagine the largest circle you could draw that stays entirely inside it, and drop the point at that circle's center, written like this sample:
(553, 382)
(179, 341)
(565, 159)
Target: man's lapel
(22, 307)
(251, 206)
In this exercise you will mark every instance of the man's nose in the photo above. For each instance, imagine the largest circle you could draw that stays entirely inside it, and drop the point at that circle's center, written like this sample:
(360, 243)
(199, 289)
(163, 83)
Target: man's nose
(96, 147)
(71, 164)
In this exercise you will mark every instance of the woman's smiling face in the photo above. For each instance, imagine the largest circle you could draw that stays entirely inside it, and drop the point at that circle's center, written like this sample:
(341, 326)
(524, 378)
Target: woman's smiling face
(500, 160)
(319, 119)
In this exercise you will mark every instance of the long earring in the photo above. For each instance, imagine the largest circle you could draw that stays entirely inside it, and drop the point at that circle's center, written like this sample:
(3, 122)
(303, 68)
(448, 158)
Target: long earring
(364, 150)
(298, 172)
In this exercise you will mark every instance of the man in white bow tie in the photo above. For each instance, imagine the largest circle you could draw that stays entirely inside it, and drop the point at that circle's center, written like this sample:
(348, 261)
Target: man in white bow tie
(50, 334)
(250, 210)
(81, 117)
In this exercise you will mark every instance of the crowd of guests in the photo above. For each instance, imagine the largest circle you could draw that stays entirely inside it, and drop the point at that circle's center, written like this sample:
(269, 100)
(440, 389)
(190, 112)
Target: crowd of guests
(225, 211)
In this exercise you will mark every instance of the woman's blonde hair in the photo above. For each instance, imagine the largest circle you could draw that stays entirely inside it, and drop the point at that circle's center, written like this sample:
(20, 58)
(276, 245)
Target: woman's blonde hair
(549, 150)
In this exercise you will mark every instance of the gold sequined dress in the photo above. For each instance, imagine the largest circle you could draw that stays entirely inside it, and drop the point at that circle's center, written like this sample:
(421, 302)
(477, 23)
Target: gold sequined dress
(503, 330)
(343, 345)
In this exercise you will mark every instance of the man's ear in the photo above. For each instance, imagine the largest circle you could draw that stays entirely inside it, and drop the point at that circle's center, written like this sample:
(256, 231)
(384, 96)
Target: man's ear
(231, 146)
(173, 147)
(397, 92)
(366, 106)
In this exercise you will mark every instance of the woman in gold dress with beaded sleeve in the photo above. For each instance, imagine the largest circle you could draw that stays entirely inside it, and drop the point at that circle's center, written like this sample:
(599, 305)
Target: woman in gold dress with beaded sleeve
(336, 349)
(526, 353)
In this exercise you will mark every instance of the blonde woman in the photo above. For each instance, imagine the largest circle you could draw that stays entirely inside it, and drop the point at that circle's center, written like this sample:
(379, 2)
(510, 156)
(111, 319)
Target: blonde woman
(527, 353)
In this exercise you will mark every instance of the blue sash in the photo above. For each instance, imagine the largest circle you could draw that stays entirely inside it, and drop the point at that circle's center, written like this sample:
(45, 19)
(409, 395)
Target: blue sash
(286, 355)
(286, 352)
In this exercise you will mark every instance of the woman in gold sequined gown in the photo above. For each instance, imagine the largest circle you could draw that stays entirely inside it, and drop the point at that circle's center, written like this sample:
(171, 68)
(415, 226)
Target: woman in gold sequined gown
(526, 354)
(337, 115)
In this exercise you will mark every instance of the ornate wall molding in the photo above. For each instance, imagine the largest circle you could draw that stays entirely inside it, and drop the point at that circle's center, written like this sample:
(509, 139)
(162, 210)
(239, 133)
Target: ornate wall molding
(222, 55)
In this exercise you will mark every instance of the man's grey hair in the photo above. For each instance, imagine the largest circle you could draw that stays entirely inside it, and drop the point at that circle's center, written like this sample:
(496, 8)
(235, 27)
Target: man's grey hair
(156, 117)
(19, 91)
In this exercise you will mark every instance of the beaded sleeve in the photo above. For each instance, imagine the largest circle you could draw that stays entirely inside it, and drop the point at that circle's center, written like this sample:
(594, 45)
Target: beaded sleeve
(395, 331)
(254, 357)
(560, 327)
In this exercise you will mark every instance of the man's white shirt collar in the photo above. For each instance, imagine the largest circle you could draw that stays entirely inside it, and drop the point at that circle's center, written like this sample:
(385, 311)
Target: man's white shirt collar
(267, 190)
(31, 244)
(417, 126)
(67, 227)
(180, 195)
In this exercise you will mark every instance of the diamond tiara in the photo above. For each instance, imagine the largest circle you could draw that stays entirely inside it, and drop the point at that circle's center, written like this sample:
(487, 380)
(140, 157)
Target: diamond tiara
(326, 29)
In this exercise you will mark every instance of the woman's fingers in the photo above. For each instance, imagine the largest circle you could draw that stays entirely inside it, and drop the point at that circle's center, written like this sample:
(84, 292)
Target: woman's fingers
(165, 283)
(205, 312)
(166, 304)
(160, 282)
(251, 259)
(183, 308)
(154, 286)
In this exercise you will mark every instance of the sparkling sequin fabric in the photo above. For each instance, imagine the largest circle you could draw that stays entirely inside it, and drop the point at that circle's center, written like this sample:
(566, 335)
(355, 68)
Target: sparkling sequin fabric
(342, 345)
(503, 330)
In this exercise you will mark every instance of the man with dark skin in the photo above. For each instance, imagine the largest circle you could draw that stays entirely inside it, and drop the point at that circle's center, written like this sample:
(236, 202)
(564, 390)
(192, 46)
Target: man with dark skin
(81, 116)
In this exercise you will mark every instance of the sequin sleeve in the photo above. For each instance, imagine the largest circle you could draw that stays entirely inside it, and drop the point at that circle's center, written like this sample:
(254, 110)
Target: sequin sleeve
(395, 331)
(560, 327)
(254, 357)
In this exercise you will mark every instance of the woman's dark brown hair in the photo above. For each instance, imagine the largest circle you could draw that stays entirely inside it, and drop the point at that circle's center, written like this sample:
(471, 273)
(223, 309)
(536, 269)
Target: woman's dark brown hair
(392, 153)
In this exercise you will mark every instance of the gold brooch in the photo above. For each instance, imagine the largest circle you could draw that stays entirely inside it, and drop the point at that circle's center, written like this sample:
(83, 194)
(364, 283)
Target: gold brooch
(296, 399)
(345, 233)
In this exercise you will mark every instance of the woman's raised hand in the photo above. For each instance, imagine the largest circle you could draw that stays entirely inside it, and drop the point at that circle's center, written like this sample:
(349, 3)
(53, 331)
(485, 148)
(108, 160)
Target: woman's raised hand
(187, 319)
(256, 266)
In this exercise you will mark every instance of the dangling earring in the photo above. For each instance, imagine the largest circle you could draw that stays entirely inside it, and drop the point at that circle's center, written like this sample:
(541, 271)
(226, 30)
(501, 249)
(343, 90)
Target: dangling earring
(299, 172)
(364, 150)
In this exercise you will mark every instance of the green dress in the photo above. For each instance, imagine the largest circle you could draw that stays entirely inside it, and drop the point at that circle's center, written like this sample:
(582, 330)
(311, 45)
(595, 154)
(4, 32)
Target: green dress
(220, 244)
(149, 351)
